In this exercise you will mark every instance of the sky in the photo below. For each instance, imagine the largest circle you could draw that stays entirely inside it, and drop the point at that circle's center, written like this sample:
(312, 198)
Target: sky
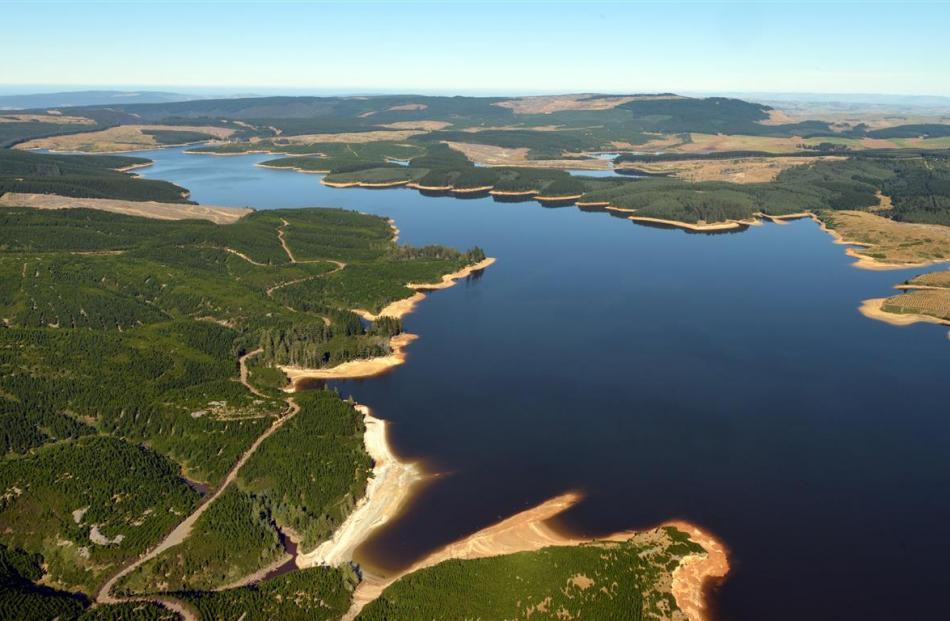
(485, 47)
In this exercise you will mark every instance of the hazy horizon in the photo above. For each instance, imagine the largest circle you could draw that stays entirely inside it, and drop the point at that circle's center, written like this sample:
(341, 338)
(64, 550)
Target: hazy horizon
(524, 48)
(237, 91)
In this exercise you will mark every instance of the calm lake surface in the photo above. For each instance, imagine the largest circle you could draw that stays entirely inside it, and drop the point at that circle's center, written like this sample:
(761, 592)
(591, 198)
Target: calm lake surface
(727, 380)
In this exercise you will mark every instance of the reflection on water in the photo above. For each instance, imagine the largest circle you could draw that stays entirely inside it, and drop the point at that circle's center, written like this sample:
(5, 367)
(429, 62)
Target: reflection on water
(723, 379)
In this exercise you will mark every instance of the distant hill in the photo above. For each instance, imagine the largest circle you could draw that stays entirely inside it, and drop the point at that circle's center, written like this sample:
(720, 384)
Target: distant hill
(88, 98)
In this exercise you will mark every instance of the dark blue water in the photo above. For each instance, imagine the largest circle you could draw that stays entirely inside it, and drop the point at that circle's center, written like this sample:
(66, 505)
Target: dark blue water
(728, 380)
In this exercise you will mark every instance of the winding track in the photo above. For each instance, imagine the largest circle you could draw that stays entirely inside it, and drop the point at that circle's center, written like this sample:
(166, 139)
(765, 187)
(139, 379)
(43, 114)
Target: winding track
(181, 532)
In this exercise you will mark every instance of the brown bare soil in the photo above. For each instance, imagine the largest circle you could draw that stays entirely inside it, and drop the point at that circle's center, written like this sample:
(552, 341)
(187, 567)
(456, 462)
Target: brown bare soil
(144, 209)
(546, 104)
(887, 244)
(930, 302)
(939, 279)
(118, 139)
(706, 143)
(59, 119)
(351, 137)
(424, 125)
(883, 202)
(740, 170)
(842, 120)
(409, 106)
(778, 117)
(490, 155)
(660, 142)
(511, 128)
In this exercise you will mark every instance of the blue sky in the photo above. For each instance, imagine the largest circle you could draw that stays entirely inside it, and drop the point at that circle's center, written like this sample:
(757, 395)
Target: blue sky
(488, 47)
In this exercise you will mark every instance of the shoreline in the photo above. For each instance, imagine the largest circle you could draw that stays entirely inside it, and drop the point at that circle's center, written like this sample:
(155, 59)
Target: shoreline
(403, 307)
(557, 199)
(353, 369)
(290, 168)
(530, 530)
(727, 225)
(874, 309)
(387, 492)
(392, 482)
(513, 192)
(863, 261)
(359, 184)
(134, 166)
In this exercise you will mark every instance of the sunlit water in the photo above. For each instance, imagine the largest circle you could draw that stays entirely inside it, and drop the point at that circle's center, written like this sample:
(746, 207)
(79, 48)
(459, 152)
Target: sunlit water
(728, 380)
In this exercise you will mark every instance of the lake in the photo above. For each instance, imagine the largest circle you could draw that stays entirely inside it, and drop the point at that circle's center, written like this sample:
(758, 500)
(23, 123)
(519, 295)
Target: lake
(727, 380)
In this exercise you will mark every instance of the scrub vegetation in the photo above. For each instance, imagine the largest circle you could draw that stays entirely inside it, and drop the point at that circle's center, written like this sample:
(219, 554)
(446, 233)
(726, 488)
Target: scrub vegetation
(623, 580)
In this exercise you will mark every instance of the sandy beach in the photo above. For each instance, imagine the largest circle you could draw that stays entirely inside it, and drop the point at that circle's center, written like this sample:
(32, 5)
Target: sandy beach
(354, 369)
(386, 493)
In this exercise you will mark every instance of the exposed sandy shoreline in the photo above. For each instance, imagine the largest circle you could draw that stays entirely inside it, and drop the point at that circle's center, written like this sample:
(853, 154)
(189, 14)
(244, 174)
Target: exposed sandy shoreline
(727, 225)
(530, 530)
(513, 193)
(354, 369)
(369, 367)
(291, 168)
(392, 480)
(863, 261)
(566, 197)
(386, 493)
(134, 166)
(697, 570)
(362, 184)
(874, 309)
(402, 307)
(476, 190)
(429, 188)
